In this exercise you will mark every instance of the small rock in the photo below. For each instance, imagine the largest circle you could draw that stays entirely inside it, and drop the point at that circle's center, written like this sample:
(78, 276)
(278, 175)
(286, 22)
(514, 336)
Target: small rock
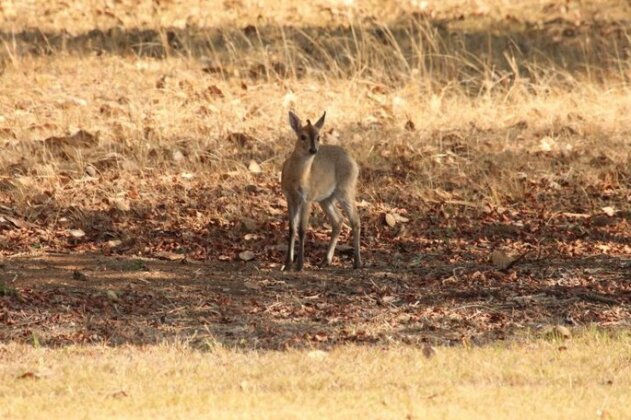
(247, 255)
(76, 233)
(90, 171)
(254, 167)
(178, 156)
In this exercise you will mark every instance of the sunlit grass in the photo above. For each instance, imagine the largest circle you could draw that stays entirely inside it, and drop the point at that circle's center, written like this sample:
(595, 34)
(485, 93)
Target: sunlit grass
(584, 377)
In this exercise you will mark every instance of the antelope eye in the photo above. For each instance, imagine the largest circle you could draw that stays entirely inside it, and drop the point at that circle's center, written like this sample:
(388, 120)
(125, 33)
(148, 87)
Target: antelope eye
(303, 137)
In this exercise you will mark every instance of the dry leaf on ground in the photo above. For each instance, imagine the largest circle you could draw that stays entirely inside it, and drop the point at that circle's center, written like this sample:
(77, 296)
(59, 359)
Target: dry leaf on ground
(390, 220)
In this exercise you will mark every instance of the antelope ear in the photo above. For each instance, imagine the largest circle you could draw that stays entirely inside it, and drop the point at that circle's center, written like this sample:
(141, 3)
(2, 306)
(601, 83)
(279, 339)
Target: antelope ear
(294, 122)
(320, 122)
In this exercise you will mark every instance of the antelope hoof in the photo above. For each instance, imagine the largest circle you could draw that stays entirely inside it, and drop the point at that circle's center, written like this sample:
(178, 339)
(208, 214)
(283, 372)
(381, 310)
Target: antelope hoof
(325, 263)
(357, 264)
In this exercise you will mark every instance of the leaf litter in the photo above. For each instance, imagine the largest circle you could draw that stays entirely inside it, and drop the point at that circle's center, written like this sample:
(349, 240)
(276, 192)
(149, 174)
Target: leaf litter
(464, 268)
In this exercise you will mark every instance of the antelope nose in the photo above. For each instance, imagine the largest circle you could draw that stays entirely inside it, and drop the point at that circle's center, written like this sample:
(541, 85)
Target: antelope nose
(313, 151)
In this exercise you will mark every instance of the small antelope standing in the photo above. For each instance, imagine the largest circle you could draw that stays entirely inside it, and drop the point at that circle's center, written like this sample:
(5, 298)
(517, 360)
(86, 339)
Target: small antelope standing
(324, 174)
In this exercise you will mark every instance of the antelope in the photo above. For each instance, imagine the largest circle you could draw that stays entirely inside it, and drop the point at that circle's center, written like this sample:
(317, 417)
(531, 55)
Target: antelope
(325, 174)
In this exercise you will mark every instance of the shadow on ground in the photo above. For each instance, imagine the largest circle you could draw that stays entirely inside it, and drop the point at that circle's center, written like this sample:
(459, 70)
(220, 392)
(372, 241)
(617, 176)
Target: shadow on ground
(444, 48)
(58, 300)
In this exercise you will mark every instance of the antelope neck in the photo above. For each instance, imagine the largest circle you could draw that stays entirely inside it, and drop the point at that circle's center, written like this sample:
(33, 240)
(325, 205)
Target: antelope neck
(303, 164)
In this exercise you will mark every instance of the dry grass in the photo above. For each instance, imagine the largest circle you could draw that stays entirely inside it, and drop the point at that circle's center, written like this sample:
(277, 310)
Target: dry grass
(584, 377)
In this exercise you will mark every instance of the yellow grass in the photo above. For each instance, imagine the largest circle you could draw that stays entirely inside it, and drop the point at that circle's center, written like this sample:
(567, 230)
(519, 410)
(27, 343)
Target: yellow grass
(584, 377)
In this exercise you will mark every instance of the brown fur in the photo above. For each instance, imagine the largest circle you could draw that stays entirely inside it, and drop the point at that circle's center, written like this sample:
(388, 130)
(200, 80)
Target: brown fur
(323, 174)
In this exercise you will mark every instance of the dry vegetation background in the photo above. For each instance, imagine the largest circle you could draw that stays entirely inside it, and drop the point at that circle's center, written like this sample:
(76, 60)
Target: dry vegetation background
(493, 138)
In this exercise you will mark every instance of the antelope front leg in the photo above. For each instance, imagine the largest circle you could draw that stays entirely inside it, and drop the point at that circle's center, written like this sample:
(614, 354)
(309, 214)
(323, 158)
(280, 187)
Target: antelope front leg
(293, 223)
(305, 210)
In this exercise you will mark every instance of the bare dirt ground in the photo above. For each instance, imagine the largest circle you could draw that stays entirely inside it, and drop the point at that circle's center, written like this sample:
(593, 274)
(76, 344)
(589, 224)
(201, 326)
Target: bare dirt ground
(58, 299)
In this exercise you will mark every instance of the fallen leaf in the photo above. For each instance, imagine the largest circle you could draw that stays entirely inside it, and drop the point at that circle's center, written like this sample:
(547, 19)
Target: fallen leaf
(390, 220)
(401, 219)
(76, 233)
(247, 255)
(112, 295)
(321, 336)
(119, 394)
(609, 211)
(29, 375)
(215, 91)
(161, 83)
